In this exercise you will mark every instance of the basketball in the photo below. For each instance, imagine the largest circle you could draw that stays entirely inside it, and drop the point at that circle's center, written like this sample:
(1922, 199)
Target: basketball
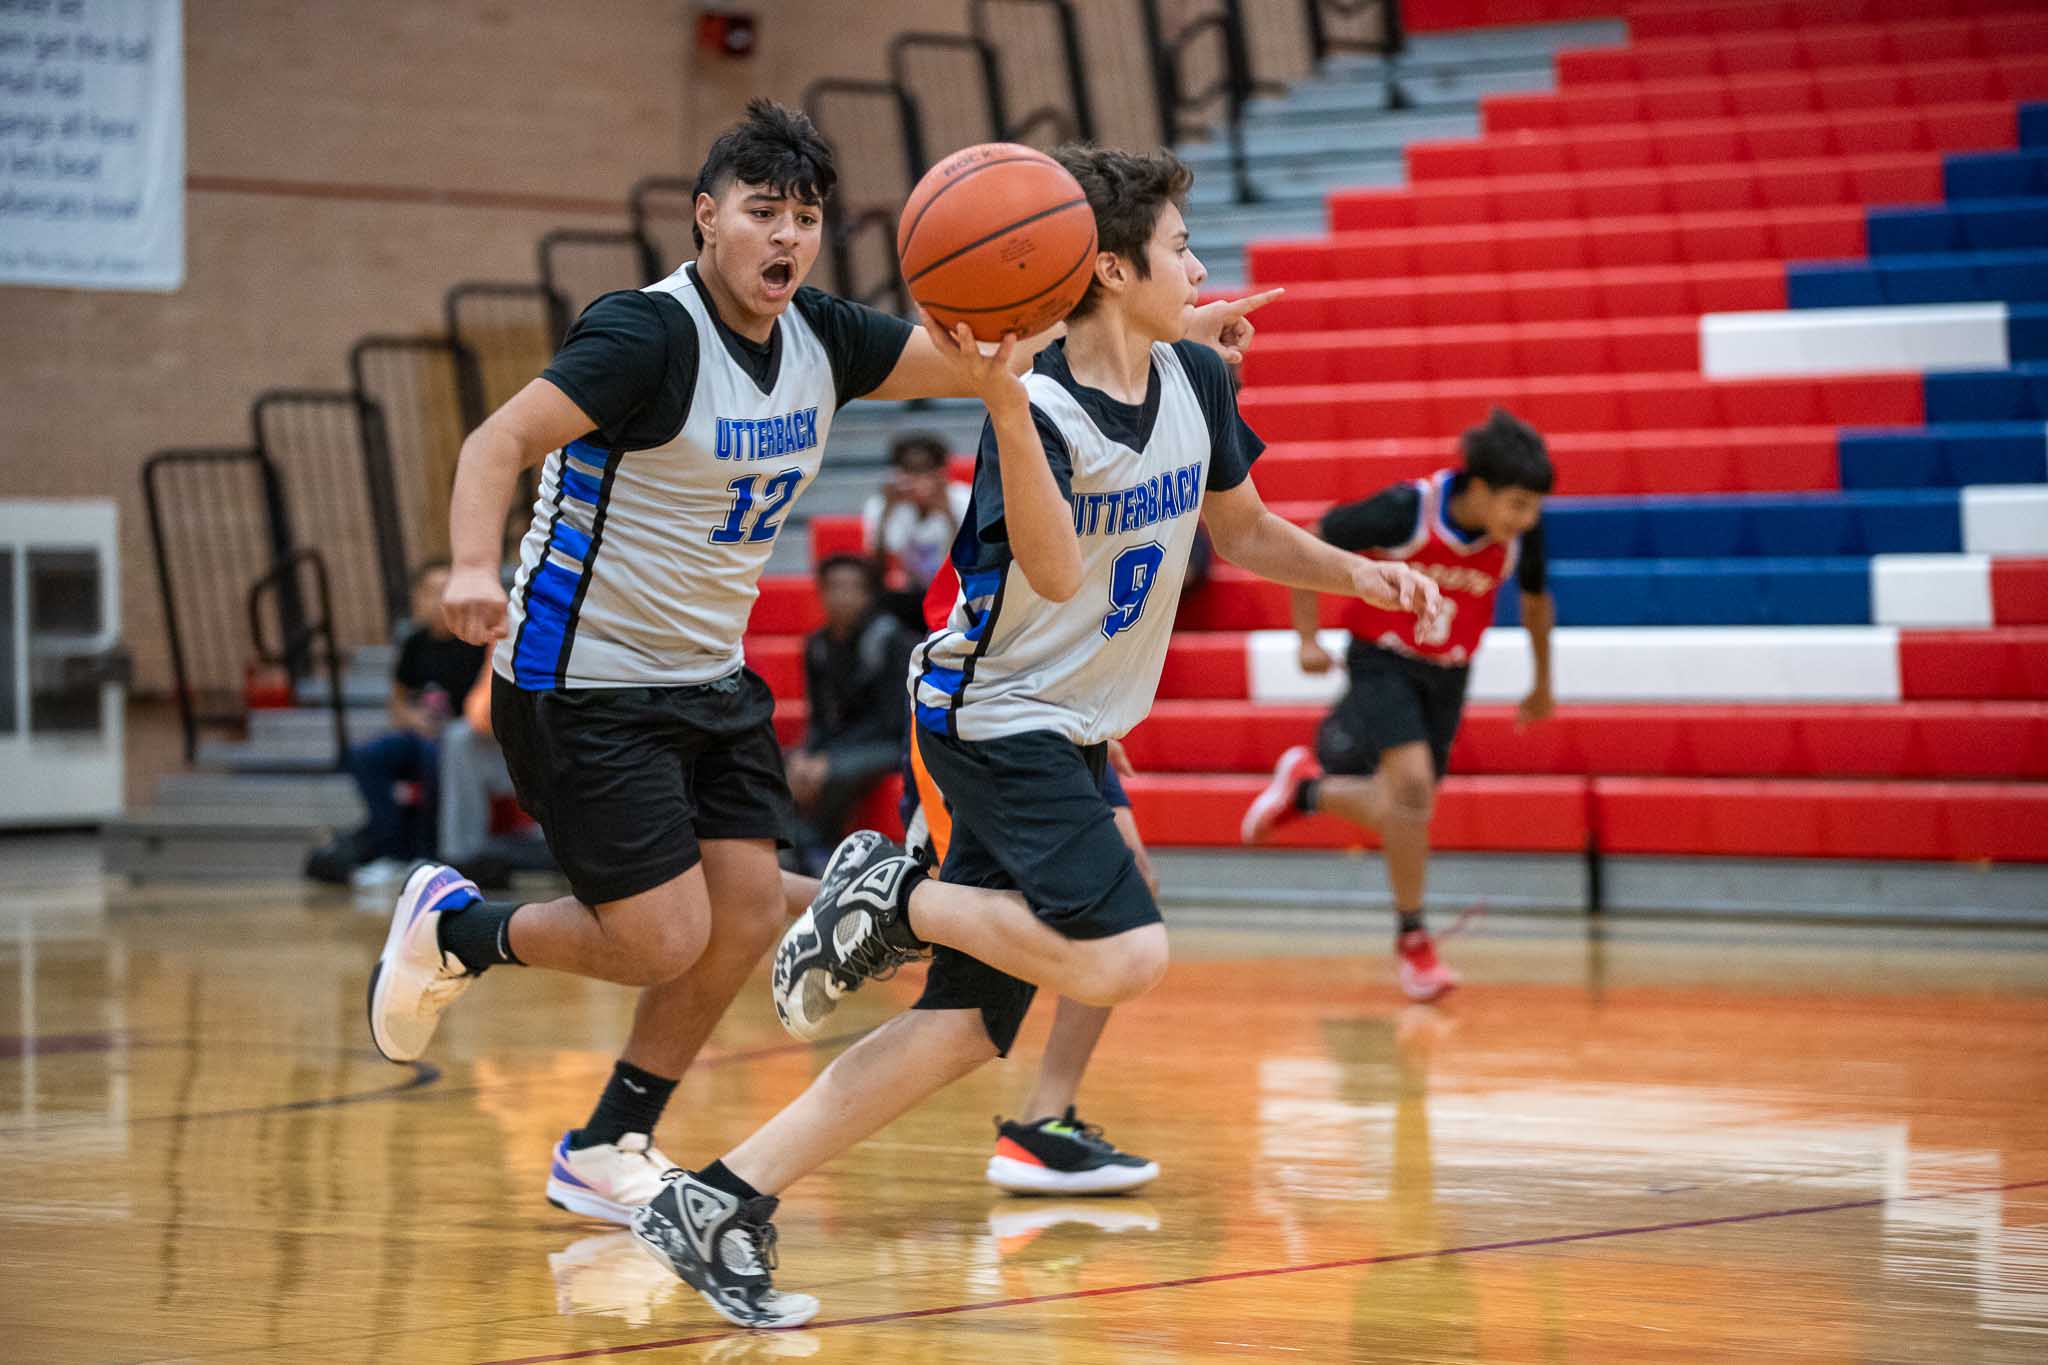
(997, 236)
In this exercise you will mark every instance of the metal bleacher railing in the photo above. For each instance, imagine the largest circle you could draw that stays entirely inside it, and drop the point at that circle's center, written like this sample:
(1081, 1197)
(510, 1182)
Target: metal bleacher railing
(352, 485)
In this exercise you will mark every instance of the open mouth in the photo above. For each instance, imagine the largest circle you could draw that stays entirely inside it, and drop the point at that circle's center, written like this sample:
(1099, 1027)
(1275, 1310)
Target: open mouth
(778, 275)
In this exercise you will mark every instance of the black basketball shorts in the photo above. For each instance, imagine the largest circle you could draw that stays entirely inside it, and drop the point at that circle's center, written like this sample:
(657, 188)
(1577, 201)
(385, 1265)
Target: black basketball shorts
(1393, 700)
(626, 780)
(1029, 815)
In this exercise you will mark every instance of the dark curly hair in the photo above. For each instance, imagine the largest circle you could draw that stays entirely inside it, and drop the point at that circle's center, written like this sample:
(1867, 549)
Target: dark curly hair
(1128, 191)
(772, 145)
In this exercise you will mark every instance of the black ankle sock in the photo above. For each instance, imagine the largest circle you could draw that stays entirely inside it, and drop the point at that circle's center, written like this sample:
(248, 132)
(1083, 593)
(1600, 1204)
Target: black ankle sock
(909, 935)
(631, 1103)
(479, 934)
(719, 1177)
(1407, 921)
(1305, 795)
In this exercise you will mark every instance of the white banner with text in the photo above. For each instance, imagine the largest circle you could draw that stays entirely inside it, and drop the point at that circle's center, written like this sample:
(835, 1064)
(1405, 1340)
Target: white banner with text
(92, 143)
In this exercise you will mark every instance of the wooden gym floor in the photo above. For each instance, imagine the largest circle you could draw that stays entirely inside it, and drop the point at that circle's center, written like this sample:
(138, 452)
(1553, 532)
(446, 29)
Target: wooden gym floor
(1658, 1142)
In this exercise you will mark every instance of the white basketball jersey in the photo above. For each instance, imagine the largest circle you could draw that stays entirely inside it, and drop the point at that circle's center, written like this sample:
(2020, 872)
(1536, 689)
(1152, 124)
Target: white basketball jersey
(641, 566)
(1009, 661)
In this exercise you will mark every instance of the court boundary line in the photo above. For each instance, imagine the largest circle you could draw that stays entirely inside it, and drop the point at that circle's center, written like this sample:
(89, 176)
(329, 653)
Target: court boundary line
(420, 1085)
(1268, 1272)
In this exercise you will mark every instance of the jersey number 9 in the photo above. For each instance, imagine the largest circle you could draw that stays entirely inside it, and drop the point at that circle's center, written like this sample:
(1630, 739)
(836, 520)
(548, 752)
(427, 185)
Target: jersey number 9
(1130, 582)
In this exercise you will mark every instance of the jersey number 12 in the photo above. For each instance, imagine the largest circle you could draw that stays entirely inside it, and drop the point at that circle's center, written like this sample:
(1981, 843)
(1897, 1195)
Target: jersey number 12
(781, 488)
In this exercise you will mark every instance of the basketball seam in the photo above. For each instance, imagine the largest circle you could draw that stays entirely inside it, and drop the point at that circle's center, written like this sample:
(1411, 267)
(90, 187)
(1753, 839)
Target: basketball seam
(1005, 230)
(909, 234)
(1028, 298)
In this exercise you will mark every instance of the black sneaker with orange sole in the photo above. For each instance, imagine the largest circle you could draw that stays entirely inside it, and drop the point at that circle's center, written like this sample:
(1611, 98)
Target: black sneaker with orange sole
(1063, 1156)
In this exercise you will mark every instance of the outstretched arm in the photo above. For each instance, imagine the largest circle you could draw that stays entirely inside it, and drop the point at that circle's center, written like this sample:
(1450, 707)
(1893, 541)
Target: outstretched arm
(926, 371)
(1253, 538)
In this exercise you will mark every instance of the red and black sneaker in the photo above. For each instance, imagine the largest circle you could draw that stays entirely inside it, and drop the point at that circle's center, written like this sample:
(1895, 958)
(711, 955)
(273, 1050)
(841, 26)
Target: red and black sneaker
(1423, 978)
(1063, 1156)
(1279, 802)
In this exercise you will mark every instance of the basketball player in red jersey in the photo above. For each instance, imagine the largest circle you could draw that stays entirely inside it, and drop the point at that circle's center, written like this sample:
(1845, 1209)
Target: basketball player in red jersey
(1382, 750)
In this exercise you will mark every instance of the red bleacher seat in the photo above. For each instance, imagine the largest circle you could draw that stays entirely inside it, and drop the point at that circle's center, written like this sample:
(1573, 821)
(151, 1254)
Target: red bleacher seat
(1568, 244)
(2011, 79)
(2019, 592)
(1892, 178)
(788, 605)
(836, 535)
(1808, 48)
(1920, 821)
(1741, 460)
(1524, 814)
(1545, 296)
(1744, 138)
(1578, 347)
(2000, 662)
(1996, 740)
(1674, 20)
(1581, 403)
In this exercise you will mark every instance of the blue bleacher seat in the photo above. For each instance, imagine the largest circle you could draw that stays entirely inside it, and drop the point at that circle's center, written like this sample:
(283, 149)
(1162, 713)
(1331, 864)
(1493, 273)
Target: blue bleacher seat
(2034, 124)
(1920, 228)
(1980, 396)
(1890, 459)
(2026, 331)
(2014, 276)
(1970, 225)
(1698, 592)
(1893, 520)
(1832, 284)
(1930, 279)
(1995, 175)
(1945, 457)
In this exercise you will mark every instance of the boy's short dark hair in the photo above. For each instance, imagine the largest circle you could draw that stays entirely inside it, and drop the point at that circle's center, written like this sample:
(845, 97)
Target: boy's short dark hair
(772, 145)
(926, 443)
(1505, 452)
(860, 564)
(1127, 191)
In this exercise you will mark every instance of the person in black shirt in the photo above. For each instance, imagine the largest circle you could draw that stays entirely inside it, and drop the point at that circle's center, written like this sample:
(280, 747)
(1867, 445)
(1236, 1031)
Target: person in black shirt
(854, 667)
(433, 674)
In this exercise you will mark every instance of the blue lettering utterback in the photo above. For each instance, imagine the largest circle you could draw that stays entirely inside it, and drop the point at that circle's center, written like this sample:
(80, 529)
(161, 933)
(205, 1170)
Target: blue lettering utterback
(767, 438)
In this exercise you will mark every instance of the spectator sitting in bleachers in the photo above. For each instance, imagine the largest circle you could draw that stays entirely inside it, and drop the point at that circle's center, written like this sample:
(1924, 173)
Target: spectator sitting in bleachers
(854, 670)
(473, 780)
(434, 670)
(908, 527)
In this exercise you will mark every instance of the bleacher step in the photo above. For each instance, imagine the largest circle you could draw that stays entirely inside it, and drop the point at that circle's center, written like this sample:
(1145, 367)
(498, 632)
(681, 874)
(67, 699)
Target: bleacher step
(210, 843)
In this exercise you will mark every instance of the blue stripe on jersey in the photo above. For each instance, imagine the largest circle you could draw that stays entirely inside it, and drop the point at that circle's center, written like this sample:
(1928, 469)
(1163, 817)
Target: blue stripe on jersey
(553, 589)
(579, 485)
(933, 718)
(977, 590)
(946, 680)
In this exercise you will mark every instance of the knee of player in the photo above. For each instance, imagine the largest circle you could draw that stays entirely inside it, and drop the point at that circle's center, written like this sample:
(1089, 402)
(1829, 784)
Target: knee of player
(1411, 795)
(1136, 962)
(665, 947)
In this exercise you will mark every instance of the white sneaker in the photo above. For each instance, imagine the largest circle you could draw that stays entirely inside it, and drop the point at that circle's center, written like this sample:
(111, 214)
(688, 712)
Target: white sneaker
(379, 873)
(414, 980)
(608, 1273)
(610, 1180)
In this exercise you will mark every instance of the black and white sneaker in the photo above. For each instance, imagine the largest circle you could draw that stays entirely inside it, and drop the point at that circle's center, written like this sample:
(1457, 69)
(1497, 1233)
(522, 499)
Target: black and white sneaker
(723, 1248)
(1063, 1156)
(857, 929)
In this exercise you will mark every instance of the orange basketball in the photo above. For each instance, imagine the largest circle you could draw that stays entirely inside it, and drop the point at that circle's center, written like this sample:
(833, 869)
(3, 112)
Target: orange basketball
(999, 237)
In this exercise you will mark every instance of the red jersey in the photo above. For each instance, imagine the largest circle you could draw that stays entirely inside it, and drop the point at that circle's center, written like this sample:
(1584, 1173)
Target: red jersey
(1469, 571)
(941, 594)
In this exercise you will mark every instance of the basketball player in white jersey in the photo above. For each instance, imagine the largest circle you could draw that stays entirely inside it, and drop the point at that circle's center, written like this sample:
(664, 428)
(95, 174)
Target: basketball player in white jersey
(675, 429)
(1093, 473)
